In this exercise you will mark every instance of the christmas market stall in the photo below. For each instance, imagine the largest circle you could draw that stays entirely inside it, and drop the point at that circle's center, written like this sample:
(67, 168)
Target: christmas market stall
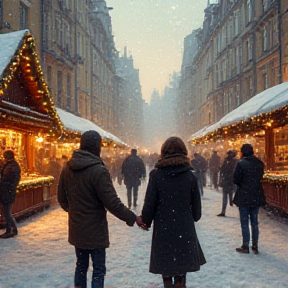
(55, 153)
(27, 116)
(263, 122)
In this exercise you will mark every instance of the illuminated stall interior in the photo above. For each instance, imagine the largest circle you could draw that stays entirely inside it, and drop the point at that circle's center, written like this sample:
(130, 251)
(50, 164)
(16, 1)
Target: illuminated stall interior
(27, 112)
(263, 122)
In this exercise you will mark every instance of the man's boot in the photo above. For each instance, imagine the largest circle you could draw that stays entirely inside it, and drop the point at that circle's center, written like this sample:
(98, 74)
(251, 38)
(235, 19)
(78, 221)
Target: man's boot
(180, 281)
(7, 234)
(243, 249)
(255, 248)
(97, 283)
(167, 281)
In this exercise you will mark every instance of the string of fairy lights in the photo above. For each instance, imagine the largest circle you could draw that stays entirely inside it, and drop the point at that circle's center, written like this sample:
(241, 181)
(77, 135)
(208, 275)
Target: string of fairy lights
(35, 183)
(27, 58)
(31, 71)
(273, 119)
(25, 65)
(255, 125)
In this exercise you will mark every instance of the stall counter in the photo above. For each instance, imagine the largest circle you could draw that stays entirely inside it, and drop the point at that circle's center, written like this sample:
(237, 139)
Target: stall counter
(33, 195)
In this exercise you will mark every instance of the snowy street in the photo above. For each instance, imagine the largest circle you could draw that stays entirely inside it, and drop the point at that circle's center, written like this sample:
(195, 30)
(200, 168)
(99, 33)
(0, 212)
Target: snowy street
(40, 255)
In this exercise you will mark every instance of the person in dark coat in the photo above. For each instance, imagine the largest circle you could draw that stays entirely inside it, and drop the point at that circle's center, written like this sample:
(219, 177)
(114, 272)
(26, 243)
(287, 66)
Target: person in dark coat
(133, 170)
(199, 165)
(85, 191)
(214, 167)
(173, 203)
(249, 196)
(10, 177)
(226, 180)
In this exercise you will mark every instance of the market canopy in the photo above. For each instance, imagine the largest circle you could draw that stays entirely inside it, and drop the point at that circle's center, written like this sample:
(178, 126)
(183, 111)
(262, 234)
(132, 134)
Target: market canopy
(266, 109)
(75, 126)
(25, 102)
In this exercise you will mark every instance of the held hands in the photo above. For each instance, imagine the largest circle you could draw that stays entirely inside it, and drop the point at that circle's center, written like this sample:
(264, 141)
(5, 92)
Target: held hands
(141, 224)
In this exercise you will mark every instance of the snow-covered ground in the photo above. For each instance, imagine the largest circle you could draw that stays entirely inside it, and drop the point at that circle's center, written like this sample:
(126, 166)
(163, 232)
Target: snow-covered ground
(40, 256)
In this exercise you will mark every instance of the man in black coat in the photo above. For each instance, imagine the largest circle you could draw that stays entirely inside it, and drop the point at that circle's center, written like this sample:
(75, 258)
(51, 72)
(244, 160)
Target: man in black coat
(85, 191)
(249, 195)
(226, 180)
(133, 170)
(10, 177)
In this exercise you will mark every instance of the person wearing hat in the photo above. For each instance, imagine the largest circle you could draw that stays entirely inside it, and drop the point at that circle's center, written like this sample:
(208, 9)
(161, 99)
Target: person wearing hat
(133, 170)
(226, 180)
(173, 203)
(249, 196)
(86, 192)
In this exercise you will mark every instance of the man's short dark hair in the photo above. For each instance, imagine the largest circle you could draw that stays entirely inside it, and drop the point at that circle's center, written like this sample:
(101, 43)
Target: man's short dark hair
(9, 154)
(134, 151)
(247, 150)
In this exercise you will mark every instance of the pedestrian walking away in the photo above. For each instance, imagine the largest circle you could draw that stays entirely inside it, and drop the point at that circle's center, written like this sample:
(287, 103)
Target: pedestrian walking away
(214, 167)
(85, 191)
(10, 177)
(133, 171)
(249, 196)
(199, 166)
(173, 203)
(226, 180)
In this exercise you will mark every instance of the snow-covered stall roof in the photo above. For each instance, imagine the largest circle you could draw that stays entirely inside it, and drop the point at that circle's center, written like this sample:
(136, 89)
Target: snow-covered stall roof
(269, 101)
(25, 101)
(74, 123)
(10, 42)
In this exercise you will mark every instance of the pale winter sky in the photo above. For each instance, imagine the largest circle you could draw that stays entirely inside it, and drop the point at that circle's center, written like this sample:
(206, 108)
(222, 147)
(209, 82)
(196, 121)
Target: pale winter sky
(154, 32)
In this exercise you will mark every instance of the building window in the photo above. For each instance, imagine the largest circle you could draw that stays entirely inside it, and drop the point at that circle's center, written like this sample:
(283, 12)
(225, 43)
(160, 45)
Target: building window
(249, 11)
(265, 39)
(49, 75)
(236, 22)
(68, 91)
(250, 54)
(265, 81)
(23, 16)
(59, 87)
(274, 32)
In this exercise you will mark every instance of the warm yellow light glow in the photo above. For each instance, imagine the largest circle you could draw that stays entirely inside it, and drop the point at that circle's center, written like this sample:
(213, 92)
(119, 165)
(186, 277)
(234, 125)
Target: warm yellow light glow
(39, 139)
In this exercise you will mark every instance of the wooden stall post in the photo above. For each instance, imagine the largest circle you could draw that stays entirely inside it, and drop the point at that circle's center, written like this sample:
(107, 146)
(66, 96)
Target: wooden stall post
(270, 149)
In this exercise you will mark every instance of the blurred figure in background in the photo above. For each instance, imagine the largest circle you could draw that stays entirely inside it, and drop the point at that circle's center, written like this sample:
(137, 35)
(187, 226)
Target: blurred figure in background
(226, 180)
(214, 166)
(10, 177)
(133, 170)
(199, 165)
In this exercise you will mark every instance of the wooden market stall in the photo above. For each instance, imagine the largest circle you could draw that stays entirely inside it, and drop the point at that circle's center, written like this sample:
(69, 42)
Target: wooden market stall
(55, 153)
(27, 116)
(263, 122)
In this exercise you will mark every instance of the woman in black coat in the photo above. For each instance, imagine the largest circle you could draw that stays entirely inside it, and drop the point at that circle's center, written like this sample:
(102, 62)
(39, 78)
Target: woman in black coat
(10, 177)
(173, 203)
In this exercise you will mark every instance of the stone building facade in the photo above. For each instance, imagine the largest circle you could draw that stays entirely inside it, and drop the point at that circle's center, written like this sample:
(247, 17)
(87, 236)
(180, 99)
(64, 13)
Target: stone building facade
(78, 57)
(242, 50)
(131, 104)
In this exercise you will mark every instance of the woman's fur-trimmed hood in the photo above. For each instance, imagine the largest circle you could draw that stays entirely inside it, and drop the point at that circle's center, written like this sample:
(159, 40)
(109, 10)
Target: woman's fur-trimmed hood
(173, 152)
